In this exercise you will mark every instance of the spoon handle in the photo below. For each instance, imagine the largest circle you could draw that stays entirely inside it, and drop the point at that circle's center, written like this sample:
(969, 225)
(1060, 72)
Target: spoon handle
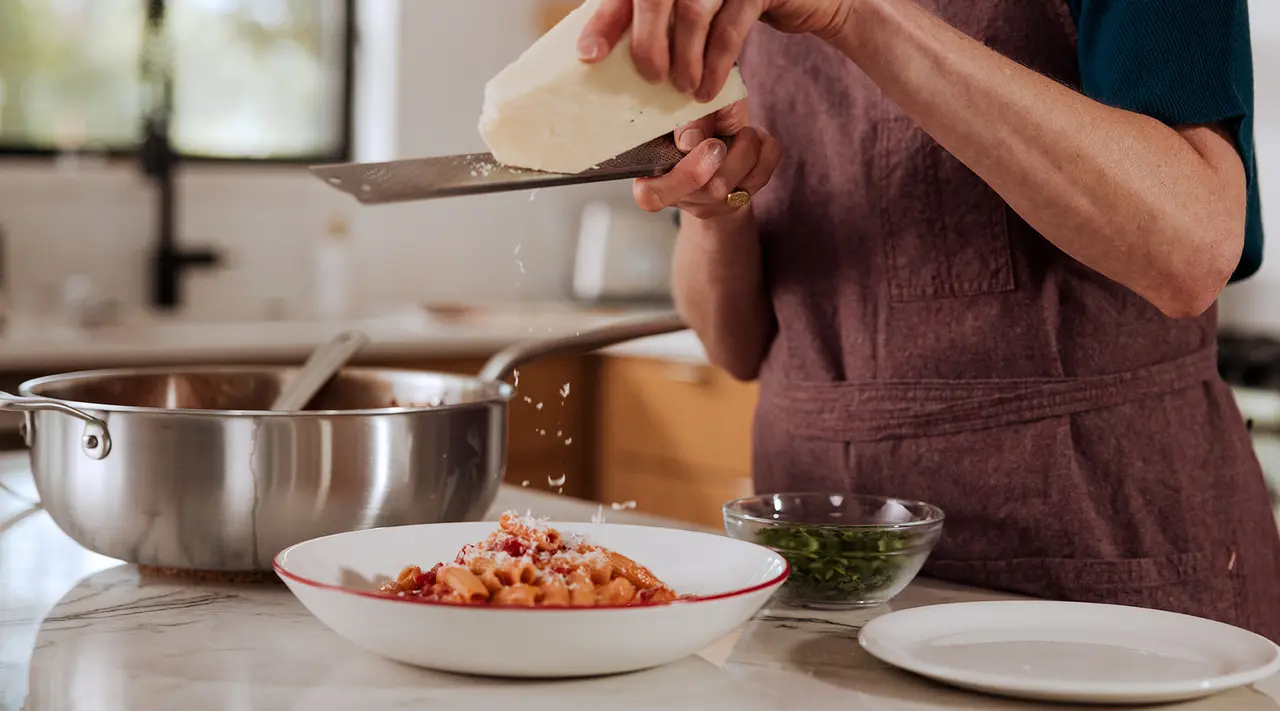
(324, 363)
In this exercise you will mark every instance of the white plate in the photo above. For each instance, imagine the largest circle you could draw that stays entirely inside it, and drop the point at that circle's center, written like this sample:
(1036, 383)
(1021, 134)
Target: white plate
(335, 578)
(1072, 652)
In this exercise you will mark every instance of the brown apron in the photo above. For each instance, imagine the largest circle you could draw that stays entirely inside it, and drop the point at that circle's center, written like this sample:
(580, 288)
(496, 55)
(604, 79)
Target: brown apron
(931, 345)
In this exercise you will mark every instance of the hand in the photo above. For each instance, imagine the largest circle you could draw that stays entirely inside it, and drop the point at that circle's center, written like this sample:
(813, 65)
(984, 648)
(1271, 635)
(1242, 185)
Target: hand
(701, 183)
(696, 42)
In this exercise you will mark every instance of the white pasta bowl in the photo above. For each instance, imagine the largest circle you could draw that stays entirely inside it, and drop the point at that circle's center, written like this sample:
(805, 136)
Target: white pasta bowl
(336, 579)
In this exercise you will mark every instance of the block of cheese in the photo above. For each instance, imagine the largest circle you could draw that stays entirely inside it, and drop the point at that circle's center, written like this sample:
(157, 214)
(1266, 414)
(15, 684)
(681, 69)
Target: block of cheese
(549, 111)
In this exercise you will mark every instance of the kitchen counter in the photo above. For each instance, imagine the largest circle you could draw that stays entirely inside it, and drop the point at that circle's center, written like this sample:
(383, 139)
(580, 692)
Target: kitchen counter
(680, 347)
(80, 631)
(411, 333)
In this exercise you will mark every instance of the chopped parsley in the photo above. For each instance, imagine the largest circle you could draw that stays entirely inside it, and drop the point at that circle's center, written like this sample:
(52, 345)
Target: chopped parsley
(837, 563)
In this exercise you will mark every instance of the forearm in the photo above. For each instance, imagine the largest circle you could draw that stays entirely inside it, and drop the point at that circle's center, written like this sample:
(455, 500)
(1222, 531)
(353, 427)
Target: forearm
(719, 291)
(1136, 200)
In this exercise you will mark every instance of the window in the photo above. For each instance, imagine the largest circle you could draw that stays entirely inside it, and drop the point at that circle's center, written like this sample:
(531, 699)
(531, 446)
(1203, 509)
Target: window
(251, 79)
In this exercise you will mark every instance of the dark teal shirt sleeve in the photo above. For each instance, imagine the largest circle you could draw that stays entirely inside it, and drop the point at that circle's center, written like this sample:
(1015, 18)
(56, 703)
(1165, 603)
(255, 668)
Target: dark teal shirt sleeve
(1179, 62)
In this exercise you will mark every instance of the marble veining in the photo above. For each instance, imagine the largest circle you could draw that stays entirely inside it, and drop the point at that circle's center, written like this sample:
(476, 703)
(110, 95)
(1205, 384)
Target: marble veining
(82, 632)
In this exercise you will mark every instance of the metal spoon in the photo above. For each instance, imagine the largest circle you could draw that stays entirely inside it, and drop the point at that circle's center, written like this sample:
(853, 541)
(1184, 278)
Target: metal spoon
(324, 363)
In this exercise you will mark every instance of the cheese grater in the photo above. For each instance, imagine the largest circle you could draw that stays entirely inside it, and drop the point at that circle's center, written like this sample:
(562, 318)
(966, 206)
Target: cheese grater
(479, 173)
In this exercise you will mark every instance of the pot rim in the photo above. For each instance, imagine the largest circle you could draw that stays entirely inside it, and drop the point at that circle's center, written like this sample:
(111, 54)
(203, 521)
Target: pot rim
(27, 389)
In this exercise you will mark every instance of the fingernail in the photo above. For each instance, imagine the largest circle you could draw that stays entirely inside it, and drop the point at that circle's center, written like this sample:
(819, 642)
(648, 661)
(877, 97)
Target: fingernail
(590, 48)
(717, 152)
(691, 139)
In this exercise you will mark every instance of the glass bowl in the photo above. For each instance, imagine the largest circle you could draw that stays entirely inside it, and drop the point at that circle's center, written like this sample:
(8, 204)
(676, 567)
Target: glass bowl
(846, 551)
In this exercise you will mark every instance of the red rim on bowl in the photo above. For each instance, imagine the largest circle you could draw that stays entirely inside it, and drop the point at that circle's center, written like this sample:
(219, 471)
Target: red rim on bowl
(373, 594)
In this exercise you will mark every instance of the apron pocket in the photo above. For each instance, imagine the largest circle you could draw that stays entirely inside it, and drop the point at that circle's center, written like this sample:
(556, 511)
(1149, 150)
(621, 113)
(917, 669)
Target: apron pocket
(946, 232)
(1203, 583)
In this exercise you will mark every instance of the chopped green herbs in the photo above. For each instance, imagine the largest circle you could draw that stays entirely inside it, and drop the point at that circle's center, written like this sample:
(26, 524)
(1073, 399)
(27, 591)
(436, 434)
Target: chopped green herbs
(837, 564)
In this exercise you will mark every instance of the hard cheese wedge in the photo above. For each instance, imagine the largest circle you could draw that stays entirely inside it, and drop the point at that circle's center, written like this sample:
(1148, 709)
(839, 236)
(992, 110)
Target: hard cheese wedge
(549, 111)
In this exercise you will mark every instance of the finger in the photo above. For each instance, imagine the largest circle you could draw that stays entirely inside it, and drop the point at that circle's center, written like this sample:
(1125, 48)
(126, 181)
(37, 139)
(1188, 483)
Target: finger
(692, 135)
(650, 43)
(762, 173)
(604, 30)
(732, 119)
(728, 121)
(742, 158)
(693, 22)
(689, 176)
(724, 45)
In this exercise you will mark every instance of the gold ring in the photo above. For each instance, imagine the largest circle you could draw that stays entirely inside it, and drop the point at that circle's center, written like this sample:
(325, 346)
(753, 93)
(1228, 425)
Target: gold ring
(738, 198)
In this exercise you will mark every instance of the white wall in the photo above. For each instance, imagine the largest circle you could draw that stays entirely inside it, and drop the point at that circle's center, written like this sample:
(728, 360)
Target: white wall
(1255, 304)
(459, 246)
(421, 76)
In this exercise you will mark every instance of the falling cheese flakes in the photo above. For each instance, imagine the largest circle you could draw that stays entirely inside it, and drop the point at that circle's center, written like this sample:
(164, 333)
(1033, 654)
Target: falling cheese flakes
(564, 391)
(557, 480)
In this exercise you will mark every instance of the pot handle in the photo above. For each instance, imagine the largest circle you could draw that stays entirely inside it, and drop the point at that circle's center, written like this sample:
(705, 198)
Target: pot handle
(505, 362)
(96, 441)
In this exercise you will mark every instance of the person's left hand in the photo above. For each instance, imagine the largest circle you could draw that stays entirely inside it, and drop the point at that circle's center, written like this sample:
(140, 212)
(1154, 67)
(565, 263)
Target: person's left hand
(701, 183)
(696, 42)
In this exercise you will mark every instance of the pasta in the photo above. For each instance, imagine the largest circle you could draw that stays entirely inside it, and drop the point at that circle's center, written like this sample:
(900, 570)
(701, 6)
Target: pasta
(526, 563)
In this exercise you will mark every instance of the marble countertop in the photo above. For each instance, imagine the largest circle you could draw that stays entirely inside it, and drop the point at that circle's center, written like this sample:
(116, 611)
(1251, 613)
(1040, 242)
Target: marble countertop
(80, 631)
(398, 334)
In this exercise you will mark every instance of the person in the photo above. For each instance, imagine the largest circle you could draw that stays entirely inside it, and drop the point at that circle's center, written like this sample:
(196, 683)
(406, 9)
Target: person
(978, 267)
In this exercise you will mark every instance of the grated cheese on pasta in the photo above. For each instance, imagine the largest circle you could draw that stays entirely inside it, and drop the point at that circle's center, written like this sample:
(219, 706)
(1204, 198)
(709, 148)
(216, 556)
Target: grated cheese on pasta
(526, 563)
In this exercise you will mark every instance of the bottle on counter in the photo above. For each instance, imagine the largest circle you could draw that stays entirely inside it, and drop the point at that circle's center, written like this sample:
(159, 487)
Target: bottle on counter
(333, 270)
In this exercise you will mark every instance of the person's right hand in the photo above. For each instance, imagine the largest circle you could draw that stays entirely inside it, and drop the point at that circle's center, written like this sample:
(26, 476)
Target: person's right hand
(701, 183)
(694, 43)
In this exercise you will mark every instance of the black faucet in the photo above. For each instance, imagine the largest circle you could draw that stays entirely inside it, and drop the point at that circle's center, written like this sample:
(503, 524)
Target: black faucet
(168, 261)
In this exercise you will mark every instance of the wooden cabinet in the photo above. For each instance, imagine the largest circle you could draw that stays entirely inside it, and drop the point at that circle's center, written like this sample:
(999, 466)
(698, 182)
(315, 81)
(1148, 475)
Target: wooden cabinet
(547, 442)
(551, 12)
(674, 438)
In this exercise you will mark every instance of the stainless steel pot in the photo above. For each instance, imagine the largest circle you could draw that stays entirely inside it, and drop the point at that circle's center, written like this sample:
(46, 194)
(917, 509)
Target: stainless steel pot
(187, 468)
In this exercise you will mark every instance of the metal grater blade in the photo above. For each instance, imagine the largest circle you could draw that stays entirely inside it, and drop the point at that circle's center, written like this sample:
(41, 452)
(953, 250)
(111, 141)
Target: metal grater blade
(479, 173)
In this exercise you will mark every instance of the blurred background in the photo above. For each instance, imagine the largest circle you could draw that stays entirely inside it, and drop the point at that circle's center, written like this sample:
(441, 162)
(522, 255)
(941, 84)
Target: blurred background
(154, 208)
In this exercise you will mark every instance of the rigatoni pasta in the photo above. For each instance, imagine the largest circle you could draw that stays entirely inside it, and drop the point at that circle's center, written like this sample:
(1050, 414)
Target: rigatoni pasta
(526, 563)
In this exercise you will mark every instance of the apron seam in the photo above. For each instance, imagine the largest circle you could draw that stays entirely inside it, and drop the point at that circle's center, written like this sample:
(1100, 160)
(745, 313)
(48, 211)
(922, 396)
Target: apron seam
(870, 411)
